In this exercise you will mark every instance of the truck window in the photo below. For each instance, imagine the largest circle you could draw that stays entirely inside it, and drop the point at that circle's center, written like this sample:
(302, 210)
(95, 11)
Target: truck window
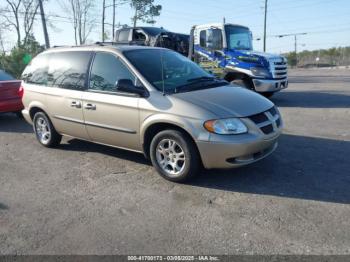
(203, 38)
(139, 36)
(123, 35)
(214, 40)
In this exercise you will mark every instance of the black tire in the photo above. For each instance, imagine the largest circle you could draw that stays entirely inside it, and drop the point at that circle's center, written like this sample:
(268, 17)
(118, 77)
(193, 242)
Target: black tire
(268, 94)
(19, 114)
(246, 83)
(191, 160)
(54, 139)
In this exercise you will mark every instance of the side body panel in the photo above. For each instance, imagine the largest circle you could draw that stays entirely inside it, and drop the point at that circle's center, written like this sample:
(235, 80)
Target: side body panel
(66, 111)
(112, 119)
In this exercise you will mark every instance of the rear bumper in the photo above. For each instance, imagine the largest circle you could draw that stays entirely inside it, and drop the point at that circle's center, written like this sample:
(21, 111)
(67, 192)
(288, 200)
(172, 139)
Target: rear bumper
(26, 116)
(235, 154)
(12, 105)
(263, 85)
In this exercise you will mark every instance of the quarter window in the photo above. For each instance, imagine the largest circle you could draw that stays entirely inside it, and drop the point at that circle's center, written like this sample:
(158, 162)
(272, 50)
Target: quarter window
(36, 71)
(68, 69)
(106, 71)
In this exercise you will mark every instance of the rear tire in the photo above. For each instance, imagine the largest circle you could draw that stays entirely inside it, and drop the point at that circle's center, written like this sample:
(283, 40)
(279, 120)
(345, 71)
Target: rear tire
(45, 132)
(174, 156)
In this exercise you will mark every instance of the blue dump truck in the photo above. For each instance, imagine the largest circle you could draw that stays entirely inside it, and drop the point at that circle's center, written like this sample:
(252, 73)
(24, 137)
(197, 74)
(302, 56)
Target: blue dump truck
(224, 49)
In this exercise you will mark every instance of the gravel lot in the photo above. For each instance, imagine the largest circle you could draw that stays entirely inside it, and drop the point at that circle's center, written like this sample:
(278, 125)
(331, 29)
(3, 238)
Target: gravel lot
(83, 198)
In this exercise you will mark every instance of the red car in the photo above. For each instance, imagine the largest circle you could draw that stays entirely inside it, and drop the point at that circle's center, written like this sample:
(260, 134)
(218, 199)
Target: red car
(11, 94)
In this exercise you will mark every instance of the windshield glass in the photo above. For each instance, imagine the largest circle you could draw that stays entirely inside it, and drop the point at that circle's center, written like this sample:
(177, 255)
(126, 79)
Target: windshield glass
(4, 76)
(238, 38)
(169, 70)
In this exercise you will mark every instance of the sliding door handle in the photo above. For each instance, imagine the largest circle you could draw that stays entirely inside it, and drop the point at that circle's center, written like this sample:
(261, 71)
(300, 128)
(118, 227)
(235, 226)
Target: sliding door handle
(90, 107)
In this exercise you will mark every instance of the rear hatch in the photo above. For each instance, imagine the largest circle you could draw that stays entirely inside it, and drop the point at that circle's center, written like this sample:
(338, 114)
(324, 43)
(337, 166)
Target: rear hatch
(9, 90)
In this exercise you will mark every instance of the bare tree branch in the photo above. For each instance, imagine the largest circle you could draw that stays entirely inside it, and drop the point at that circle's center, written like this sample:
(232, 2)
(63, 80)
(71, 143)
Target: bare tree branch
(80, 13)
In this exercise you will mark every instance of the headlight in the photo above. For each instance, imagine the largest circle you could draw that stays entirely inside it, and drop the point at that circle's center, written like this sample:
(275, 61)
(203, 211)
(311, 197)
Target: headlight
(229, 126)
(260, 71)
(249, 59)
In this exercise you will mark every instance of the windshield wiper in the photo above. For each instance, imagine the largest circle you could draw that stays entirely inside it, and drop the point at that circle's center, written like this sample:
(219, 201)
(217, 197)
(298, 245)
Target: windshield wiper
(200, 85)
(201, 78)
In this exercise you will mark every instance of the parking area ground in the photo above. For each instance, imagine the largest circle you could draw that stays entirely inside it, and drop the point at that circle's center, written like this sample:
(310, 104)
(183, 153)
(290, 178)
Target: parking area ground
(83, 198)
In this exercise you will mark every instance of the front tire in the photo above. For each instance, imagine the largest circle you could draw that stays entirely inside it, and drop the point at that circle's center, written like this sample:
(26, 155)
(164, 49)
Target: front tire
(45, 132)
(246, 83)
(267, 94)
(174, 156)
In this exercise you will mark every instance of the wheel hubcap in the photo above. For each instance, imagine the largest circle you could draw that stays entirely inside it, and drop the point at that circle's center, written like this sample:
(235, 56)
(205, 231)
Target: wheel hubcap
(42, 130)
(170, 157)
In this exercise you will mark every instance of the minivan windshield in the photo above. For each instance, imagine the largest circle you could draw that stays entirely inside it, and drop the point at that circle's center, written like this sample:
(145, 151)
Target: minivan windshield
(238, 37)
(170, 71)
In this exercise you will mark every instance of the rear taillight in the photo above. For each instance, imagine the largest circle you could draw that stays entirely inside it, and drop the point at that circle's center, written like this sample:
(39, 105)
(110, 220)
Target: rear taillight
(21, 91)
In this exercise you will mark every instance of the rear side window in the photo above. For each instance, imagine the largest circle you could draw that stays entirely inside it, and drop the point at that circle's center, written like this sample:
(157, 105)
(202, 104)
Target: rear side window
(36, 71)
(106, 70)
(68, 69)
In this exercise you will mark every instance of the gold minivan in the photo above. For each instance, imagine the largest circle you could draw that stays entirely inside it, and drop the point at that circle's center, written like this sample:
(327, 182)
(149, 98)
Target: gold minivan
(148, 100)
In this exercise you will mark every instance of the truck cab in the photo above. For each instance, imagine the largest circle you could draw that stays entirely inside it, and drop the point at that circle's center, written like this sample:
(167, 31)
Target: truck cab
(227, 51)
(153, 36)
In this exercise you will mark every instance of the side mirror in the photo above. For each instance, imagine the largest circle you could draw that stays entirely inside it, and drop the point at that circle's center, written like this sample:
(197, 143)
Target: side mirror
(127, 86)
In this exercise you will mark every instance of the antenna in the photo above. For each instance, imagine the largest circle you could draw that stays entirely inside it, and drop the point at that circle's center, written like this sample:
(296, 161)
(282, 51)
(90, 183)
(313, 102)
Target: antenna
(162, 64)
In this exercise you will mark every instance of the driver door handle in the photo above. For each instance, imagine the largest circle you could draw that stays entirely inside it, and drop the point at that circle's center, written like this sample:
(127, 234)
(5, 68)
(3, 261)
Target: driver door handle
(90, 107)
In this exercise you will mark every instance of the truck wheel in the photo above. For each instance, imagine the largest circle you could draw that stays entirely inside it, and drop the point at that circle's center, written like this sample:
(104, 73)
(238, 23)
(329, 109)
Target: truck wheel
(246, 83)
(174, 156)
(45, 131)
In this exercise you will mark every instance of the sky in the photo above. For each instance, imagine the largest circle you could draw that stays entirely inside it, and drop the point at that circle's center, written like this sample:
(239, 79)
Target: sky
(326, 22)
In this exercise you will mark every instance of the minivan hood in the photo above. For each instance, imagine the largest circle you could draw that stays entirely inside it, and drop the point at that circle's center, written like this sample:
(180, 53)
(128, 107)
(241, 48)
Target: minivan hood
(227, 101)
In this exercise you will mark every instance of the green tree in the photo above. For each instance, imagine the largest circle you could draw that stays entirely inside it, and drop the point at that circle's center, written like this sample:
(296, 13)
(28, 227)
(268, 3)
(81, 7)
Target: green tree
(145, 11)
(20, 56)
(292, 60)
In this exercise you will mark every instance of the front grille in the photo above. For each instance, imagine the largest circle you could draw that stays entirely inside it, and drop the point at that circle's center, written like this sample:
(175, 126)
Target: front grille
(273, 111)
(267, 129)
(278, 67)
(268, 121)
(259, 118)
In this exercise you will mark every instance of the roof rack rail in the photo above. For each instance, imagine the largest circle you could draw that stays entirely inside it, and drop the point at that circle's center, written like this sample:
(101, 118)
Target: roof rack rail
(106, 43)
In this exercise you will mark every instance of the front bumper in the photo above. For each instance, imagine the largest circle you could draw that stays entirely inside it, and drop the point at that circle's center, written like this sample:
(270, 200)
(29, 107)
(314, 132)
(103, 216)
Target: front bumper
(235, 154)
(264, 85)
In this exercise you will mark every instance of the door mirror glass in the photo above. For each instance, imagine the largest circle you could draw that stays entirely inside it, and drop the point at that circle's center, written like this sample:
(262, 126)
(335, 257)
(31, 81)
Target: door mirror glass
(127, 86)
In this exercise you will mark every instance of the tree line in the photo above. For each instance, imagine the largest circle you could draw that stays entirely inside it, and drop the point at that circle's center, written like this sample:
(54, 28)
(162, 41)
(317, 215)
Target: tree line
(335, 56)
(20, 16)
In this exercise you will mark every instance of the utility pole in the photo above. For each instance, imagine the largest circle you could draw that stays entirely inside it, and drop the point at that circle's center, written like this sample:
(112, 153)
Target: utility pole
(103, 20)
(43, 21)
(295, 44)
(113, 25)
(295, 50)
(265, 17)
